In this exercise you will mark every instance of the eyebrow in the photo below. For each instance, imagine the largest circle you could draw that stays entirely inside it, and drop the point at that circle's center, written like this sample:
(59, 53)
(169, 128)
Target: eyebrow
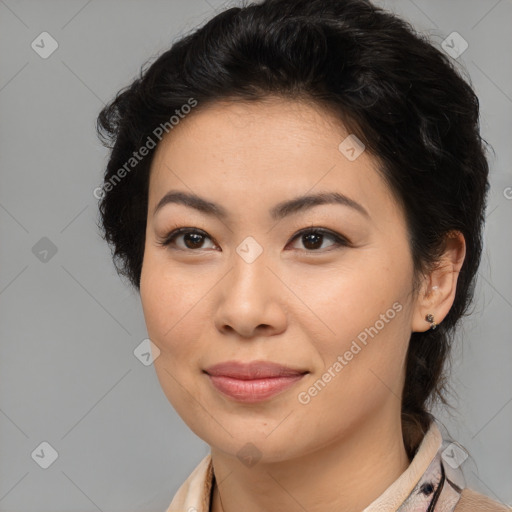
(278, 212)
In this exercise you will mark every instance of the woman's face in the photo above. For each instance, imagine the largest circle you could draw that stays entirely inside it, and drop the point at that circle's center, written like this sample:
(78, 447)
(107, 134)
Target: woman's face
(247, 287)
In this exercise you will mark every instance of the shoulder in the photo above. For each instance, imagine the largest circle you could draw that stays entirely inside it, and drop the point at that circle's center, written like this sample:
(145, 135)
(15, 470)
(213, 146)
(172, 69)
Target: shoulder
(194, 492)
(471, 501)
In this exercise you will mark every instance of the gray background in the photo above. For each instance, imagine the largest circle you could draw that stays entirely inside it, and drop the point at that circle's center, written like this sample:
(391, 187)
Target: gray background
(69, 325)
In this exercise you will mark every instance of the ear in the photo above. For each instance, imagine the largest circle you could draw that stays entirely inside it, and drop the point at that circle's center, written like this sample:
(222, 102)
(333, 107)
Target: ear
(438, 289)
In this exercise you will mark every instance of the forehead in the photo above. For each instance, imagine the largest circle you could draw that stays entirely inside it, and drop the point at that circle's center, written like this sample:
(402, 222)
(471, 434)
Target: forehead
(264, 150)
(274, 127)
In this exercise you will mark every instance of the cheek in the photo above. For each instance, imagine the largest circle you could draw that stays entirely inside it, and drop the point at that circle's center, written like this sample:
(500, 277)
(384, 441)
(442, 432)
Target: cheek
(358, 378)
(345, 300)
(365, 326)
(171, 300)
(169, 314)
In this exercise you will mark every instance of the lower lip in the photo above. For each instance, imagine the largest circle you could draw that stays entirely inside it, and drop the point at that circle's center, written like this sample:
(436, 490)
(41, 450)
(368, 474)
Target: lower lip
(255, 390)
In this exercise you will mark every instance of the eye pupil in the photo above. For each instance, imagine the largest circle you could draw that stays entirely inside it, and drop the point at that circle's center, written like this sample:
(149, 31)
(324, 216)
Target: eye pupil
(316, 238)
(196, 240)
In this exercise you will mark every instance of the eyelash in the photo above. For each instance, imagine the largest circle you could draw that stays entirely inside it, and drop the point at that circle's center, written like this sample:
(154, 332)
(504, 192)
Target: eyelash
(339, 240)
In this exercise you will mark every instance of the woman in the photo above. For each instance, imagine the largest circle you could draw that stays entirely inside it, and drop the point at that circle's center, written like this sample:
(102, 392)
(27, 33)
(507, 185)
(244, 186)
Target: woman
(297, 190)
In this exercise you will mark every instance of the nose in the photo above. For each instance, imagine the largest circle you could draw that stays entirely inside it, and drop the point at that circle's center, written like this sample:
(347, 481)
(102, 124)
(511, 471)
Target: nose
(250, 301)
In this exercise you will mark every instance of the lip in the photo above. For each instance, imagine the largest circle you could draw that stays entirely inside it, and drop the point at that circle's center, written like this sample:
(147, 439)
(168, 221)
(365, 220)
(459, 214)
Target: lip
(254, 381)
(252, 370)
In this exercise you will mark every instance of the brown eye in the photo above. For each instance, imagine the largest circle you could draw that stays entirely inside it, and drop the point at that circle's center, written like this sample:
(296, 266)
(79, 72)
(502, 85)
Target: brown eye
(313, 239)
(191, 239)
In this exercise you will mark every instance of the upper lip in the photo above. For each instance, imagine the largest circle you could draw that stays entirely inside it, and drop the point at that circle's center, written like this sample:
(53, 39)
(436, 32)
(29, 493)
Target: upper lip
(252, 370)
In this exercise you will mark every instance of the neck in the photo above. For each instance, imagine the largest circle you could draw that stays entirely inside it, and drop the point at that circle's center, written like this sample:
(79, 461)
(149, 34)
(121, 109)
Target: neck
(343, 476)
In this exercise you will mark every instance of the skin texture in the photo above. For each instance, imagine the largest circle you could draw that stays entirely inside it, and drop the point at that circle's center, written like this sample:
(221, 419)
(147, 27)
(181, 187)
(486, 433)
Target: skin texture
(298, 304)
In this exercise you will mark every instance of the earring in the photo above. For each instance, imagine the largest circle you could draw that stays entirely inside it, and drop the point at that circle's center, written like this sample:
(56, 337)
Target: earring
(430, 318)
